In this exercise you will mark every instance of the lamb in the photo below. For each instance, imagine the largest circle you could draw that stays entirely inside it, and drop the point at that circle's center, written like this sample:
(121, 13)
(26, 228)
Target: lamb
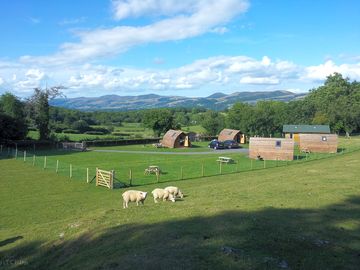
(159, 193)
(175, 191)
(133, 196)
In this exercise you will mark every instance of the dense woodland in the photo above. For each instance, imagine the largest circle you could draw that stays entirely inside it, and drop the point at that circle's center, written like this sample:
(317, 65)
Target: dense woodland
(336, 103)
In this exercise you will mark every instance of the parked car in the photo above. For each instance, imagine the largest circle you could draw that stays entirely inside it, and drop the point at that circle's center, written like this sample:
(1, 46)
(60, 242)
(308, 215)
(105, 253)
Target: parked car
(216, 144)
(231, 144)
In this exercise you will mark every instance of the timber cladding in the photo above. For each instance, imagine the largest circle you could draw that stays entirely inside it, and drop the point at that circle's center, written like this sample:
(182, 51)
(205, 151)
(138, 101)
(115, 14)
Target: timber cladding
(318, 143)
(175, 139)
(271, 148)
(232, 134)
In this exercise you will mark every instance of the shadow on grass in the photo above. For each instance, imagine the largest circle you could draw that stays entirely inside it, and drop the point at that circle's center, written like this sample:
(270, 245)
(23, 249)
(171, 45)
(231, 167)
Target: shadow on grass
(270, 238)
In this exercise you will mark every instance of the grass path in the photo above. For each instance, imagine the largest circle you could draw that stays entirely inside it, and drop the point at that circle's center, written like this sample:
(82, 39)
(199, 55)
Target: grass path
(306, 216)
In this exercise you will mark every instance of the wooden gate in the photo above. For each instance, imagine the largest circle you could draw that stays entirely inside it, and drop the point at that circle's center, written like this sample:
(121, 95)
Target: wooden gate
(105, 178)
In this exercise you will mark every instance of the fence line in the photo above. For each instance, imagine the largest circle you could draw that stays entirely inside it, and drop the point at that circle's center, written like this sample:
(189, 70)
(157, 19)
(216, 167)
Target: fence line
(188, 170)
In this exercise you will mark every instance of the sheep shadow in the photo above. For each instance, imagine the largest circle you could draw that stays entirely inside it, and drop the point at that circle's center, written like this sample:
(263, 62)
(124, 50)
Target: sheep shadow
(270, 238)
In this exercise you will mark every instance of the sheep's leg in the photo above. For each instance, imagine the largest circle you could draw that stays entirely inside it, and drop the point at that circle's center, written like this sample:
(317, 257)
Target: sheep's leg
(155, 201)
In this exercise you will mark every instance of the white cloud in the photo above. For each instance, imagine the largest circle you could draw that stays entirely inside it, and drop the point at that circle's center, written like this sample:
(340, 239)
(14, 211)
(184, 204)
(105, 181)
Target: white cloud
(136, 8)
(187, 19)
(72, 21)
(34, 20)
(2, 81)
(220, 30)
(218, 73)
(320, 72)
(259, 80)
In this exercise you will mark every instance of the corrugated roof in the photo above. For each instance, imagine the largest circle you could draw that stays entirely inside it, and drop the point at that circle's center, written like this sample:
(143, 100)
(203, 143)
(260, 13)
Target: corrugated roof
(306, 129)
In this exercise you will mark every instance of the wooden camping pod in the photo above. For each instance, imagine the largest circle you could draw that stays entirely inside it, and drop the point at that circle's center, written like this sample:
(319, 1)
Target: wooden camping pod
(232, 134)
(271, 148)
(175, 139)
(318, 143)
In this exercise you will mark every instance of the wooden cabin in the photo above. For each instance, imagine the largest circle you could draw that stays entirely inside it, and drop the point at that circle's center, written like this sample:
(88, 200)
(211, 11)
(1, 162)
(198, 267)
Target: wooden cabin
(318, 143)
(271, 148)
(232, 134)
(175, 139)
(294, 131)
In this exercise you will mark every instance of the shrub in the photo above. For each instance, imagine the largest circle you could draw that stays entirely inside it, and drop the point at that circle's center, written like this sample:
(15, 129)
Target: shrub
(94, 133)
(115, 133)
(71, 131)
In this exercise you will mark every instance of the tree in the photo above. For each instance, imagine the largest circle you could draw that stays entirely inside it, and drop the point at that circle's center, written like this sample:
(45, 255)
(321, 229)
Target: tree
(11, 128)
(12, 123)
(239, 117)
(339, 101)
(159, 120)
(39, 108)
(213, 122)
(81, 125)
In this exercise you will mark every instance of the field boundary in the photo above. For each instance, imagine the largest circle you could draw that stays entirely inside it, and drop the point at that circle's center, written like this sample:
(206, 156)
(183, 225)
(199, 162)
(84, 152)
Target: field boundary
(128, 179)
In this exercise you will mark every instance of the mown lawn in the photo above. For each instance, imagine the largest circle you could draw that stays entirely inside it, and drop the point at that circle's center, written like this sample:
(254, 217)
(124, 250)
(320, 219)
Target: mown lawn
(297, 217)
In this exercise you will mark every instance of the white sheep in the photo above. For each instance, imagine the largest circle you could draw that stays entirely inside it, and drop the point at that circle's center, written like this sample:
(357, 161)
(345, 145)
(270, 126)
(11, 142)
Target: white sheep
(159, 193)
(175, 191)
(133, 196)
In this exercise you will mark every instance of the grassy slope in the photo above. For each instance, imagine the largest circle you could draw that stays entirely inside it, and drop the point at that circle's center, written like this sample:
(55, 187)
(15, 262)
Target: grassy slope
(130, 130)
(268, 216)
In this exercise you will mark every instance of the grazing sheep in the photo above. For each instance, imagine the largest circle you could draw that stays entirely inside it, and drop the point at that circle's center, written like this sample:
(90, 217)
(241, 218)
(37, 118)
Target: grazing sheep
(133, 196)
(159, 193)
(175, 191)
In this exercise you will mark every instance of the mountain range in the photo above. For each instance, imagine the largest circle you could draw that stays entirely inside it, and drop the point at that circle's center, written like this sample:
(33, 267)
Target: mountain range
(216, 101)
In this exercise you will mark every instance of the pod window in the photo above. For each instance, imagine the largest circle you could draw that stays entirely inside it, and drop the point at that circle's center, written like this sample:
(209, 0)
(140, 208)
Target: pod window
(278, 144)
(324, 138)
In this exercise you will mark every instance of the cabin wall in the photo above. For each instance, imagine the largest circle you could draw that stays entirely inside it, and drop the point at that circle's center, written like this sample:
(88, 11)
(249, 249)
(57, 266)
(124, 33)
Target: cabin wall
(266, 148)
(319, 143)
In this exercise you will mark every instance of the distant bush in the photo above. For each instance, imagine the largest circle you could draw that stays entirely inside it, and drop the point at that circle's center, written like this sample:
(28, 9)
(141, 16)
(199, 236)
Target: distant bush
(63, 138)
(115, 133)
(32, 128)
(94, 133)
(100, 129)
(71, 131)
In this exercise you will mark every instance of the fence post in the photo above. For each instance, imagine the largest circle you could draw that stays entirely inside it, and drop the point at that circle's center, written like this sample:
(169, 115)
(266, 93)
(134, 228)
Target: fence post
(1, 148)
(220, 167)
(181, 173)
(16, 153)
(87, 175)
(70, 171)
(44, 162)
(8, 153)
(276, 164)
(130, 175)
(34, 160)
(202, 170)
(157, 176)
(57, 166)
(25, 156)
(251, 164)
(264, 164)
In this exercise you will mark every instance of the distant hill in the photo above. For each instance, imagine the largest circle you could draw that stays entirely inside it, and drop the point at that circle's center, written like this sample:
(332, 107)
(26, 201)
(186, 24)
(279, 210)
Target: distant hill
(217, 101)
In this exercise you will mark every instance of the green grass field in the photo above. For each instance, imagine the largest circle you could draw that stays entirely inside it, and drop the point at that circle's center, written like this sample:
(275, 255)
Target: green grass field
(297, 217)
(127, 130)
(174, 167)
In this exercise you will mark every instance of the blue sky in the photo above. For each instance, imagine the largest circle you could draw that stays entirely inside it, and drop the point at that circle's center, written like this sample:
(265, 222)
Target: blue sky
(169, 47)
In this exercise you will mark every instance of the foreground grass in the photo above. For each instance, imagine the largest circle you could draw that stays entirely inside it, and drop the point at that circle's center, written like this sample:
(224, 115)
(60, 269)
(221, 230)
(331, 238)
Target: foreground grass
(305, 216)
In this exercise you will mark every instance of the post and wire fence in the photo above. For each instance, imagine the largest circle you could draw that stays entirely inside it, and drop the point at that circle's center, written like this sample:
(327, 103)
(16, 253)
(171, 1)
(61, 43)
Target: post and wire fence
(137, 174)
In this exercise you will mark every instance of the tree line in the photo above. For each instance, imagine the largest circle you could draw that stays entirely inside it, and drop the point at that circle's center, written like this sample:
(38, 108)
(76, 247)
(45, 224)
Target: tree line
(336, 103)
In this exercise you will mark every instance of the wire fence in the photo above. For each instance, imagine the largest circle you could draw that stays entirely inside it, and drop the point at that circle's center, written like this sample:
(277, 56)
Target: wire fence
(138, 173)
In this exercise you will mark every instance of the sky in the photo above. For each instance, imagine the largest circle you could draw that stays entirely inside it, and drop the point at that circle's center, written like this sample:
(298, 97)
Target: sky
(171, 47)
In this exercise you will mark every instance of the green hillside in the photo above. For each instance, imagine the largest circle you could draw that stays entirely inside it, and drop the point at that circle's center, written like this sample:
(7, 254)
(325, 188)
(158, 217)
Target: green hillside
(298, 217)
